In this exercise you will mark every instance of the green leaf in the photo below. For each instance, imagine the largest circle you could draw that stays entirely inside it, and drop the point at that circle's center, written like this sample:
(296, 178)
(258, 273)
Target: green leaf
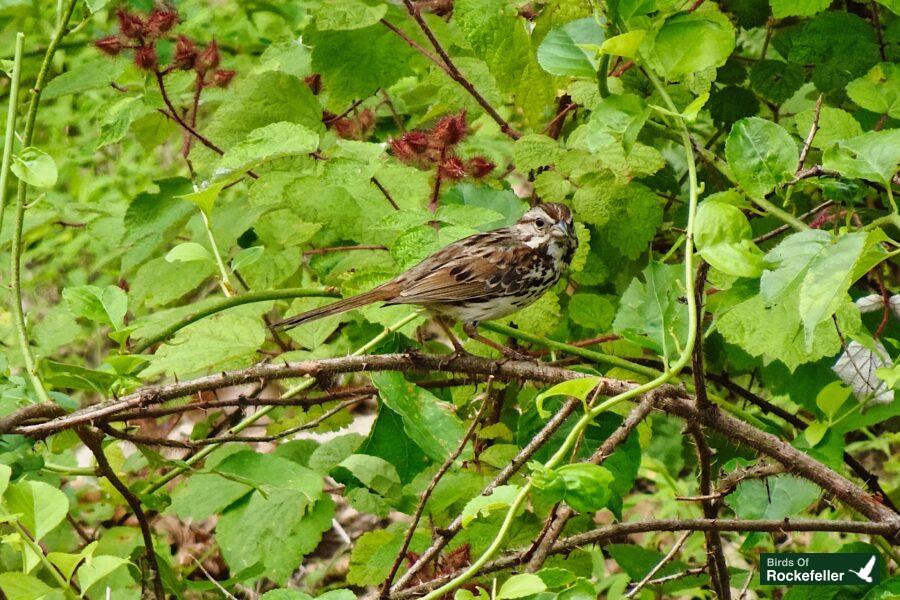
(348, 14)
(428, 421)
(835, 125)
(577, 388)
(5, 473)
(650, 313)
(761, 155)
(19, 586)
(276, 140)
(872, 156)
(878, 90)
(247, 257)
(189, 252)
(814, 432)
(374, 472)
(561, 52)
(535, 150)
(725, 240)
(797, 8)
(62, 375)
(521, 585)
(90, 75)
(96, 568)
(775, 80)
(592, 311)
(831, 397)
(778, 497)
(41, 507)
(222, 341)
(102, 305)
(624, 44)
(205, 197)
(587, 486)
(500, 498)
(374, 553)
(34, 167)
(689, 42)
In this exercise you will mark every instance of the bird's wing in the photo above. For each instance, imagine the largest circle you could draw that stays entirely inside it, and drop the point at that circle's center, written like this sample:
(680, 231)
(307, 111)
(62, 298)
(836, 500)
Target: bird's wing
(477, 267)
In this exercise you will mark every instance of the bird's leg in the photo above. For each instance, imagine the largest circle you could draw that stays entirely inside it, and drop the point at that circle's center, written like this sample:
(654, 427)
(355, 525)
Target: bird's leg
(458, 349)
(471, 330)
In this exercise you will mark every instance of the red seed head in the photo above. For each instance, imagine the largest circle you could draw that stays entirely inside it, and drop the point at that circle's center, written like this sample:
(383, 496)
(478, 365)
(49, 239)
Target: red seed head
(401, 149)
(347, 129)
(479, 167)
(366, 120)
(417, 141)
(160, 21)
(314, 82)
(209, 58)
(185, 54)
(111, 45)
(451, 129)
(223, 77)
(453, 168)
(145, 58)
(131, 25)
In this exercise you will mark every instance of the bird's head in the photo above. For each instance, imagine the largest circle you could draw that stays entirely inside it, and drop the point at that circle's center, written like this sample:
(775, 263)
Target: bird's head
(549, 227)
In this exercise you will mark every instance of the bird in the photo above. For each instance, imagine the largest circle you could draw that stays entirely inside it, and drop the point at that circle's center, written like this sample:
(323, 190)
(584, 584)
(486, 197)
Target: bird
(866, 572)
(482, 277)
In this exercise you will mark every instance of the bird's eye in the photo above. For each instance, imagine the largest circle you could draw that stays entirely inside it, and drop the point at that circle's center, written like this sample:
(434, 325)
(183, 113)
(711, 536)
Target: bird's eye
(539, 223)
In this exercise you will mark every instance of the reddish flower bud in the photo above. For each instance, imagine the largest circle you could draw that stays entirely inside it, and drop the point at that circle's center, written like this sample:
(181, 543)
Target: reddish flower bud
(417, 141)
(209, 58)
(347, 129)
(453, 168)
(160, 21)
(366, 120)
(131, 25)
(451, 129)
(111, 45)
(185, 54)
(479, 167)
(222, 77)
(145, 58)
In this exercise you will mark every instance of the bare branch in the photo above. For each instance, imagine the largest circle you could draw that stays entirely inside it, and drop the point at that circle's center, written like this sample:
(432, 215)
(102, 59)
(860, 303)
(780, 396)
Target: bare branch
(665, 559)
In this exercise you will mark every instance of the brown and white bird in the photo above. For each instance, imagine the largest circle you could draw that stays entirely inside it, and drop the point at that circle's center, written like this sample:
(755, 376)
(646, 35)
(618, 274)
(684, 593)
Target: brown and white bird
(482, 277)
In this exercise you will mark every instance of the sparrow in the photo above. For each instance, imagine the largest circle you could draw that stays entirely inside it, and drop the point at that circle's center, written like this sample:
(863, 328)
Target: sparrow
(479, 278)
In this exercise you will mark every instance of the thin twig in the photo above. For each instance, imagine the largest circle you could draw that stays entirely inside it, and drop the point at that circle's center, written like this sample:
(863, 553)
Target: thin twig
(93, 440)
(813, 129)
(331, 249)
(665, 559)
(423, 499)
(385, 192)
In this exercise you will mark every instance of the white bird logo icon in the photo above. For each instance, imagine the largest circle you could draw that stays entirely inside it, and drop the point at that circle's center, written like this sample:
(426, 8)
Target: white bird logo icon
(866, 572)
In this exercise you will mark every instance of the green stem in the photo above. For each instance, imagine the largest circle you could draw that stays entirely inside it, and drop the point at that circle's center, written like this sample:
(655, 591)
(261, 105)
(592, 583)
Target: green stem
(18, 313)
(229, 302)
(66, 587)
(890, 195)
(11, 112)
(251, 419)
(591, 355)
(72, 471)
(660, 380)
(224, 279)
(780, 214)
(601, 75)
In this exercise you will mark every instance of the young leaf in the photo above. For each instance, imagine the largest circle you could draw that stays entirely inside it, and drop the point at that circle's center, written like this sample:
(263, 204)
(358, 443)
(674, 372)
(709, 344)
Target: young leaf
(872, 156)
(521, 585)
(348, 14)
(189, 252)
(102, 305)
(624, 44)
(499, 499)
(34, 167)
(725, 240)
(831, 397)
(689, 42)
(96, 568)
(41, 507)
(578, 388)
(878, 90)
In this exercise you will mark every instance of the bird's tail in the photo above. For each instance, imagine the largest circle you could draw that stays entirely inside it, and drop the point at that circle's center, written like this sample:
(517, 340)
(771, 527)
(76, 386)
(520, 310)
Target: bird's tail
(334, 308)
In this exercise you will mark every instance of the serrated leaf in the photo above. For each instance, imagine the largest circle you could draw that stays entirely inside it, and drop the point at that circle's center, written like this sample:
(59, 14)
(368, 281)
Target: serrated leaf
(96, 568)
(348, 14)
(689, 42)
(872, 156)
(102, 305)
(878, 90)
(40, 506)
(797, 8)
(276, 140)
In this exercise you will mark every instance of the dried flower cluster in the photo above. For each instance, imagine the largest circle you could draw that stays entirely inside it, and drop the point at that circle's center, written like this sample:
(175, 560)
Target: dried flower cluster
(141, 35)
(359, 127)
(436, 147)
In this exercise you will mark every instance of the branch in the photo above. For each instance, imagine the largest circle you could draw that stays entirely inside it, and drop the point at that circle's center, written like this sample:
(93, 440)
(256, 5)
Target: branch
(450, 68)
(558, 522)
(385, 192)
(813, 129)
(423, 499)
(94, 442)
(603, 535)
(665, 559)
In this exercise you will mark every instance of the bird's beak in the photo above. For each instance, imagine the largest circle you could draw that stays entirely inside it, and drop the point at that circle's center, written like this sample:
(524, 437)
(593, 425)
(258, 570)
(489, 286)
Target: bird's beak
(560, 230)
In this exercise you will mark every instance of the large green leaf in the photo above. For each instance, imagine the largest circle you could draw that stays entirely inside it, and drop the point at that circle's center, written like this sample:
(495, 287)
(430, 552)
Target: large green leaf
(872, 156)
(761, 155)
(725, 240)
(689, 42)
(562, 52)
(348, 14)
(878, 90)
(428, 421)
(797, 8)
(34, 167)
(40, 506)
(267, 143)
